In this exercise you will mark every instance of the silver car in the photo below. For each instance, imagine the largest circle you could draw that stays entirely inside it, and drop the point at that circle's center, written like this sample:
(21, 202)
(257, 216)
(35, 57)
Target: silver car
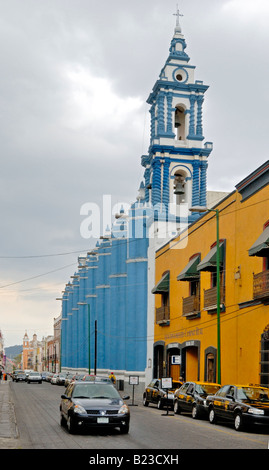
(34, 377)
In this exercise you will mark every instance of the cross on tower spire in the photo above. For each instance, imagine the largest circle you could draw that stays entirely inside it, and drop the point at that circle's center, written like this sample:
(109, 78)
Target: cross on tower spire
(177, 14)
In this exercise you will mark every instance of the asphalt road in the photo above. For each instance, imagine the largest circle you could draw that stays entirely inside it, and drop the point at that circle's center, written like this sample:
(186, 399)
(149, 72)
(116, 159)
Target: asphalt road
(38, 421)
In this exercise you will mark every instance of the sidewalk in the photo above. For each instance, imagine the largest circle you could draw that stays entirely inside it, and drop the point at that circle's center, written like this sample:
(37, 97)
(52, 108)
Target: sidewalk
(8, 428)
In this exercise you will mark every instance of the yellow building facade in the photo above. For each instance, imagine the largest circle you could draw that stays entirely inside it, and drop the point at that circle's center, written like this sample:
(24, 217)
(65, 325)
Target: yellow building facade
(185, 335)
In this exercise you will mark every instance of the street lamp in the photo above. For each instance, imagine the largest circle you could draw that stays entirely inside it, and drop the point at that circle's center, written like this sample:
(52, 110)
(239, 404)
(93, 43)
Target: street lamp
(202, 209)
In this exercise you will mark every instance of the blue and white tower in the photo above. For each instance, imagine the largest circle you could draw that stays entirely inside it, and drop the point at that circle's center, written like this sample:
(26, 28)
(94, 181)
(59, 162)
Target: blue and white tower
(176, 165)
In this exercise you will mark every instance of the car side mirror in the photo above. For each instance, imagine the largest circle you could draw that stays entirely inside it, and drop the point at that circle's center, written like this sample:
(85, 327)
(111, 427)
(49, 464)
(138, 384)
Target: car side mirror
(65, 397)
(127, 397)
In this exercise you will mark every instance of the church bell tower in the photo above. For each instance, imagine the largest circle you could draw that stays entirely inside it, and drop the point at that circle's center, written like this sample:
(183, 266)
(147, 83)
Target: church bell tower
(176, 164)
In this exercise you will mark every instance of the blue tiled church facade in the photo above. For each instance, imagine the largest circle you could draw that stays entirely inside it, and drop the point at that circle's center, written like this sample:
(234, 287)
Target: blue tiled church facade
(104, 305)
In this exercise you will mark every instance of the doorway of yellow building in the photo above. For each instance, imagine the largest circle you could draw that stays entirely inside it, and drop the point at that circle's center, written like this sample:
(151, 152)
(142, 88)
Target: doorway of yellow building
(173, 361)
(191, 363)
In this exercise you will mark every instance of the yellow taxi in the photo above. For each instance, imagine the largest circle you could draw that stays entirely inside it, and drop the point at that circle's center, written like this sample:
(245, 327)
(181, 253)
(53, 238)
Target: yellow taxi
(244, 405)
(191, 397)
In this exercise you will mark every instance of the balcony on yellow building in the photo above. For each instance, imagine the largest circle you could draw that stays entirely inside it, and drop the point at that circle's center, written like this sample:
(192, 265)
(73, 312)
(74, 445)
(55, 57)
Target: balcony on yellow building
(261, 286)
(210, 298)
(191, 305)
(163, 314)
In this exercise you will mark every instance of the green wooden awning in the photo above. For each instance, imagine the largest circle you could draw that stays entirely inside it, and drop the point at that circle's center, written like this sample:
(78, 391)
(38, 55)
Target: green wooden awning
(209, 263)
(190, 273)
(163, 285)
(261, 246)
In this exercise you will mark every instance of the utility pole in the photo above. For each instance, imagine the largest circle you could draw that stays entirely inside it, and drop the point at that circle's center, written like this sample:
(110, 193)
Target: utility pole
(95, 347)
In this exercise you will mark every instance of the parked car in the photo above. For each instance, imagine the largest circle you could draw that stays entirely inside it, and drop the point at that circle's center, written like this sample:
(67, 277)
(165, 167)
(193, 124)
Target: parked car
(76, 377)
(191, 397)
(44, 375)
(20, 377)
(68, 379)
(161, 397)
(49, 376)
(54, 379)
(61, 378)
(95, 378)
(93, 404)
(34, 377)
(242, 404)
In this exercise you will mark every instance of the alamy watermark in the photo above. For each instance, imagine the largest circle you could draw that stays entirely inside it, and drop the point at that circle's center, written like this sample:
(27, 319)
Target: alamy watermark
(139, 220)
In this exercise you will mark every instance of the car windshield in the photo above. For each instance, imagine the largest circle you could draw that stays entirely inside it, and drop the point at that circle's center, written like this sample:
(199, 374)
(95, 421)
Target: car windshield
(34, 373)
(207, 389)
(95, 390)
(253, 394)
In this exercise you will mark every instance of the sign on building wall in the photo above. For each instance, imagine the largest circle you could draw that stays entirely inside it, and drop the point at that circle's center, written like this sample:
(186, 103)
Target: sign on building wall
(175, 359)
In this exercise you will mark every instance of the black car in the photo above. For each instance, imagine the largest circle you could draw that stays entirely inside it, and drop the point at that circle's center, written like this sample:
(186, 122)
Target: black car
(154, 393)
(93, 404)
(241, 404)
(191, 397)
(14, 374)
(20, 377)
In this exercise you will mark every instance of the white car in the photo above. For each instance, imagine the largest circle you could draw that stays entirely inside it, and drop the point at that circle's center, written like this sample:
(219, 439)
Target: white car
(34, 377)
(54, 379)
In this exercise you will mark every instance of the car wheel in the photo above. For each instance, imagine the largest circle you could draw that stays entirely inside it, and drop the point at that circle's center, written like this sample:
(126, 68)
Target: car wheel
(71, 425)
(176, 408)
(145, 401)
(212, 416)
(159, 404)
(62, 421)
(124, 429)
(238, 422)
(195, 412)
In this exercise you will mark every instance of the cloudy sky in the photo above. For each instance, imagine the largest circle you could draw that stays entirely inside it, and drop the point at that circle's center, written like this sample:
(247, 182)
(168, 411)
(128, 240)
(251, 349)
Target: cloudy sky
(75, 77)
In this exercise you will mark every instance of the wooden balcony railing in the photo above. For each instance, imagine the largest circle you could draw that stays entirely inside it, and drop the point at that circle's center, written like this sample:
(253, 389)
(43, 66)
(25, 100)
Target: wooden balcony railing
(191, 305)
(210, 298)
(261, 285)
(163, 314)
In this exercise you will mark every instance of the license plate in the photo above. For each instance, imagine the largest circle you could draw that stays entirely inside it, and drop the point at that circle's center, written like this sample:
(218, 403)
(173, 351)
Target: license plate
(102, 420)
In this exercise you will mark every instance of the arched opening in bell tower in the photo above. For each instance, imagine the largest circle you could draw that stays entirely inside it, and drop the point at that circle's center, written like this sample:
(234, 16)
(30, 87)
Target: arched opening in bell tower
(180, 130)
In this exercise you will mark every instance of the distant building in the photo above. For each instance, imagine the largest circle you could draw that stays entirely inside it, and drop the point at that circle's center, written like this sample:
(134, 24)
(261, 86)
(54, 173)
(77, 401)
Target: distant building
(46, 359)
(32, 353)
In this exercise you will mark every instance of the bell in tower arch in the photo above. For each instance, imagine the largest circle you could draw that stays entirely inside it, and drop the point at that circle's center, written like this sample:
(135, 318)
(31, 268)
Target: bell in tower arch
(179, 186)
(180, 122)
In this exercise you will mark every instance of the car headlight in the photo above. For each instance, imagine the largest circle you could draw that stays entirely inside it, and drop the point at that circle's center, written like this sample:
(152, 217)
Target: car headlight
(123, 410)
(80, 410)
(255, 411)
